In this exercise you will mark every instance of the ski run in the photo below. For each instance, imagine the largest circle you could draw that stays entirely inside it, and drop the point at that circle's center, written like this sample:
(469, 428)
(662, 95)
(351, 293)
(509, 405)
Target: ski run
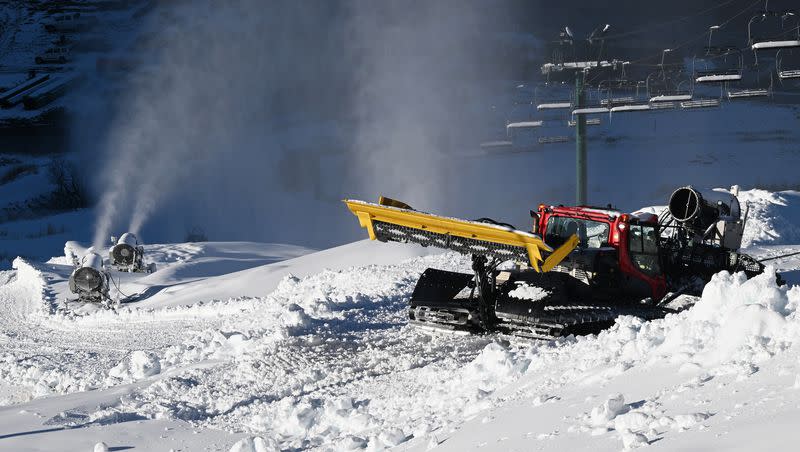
(266, 347)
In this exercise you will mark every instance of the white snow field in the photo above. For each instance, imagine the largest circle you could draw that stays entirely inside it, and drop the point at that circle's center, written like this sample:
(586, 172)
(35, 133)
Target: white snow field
(264, 347)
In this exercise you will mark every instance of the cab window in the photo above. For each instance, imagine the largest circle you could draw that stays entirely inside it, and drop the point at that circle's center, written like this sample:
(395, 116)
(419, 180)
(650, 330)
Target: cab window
(643, 245)
(591, 234)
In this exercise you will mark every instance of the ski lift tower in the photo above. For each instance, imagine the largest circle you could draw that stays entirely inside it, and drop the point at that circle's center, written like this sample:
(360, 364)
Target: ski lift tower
(558, 66)
(580, 139)
(598, 34)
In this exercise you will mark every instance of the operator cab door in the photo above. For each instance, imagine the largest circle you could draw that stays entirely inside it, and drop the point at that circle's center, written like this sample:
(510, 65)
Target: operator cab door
(643, 274)
(643, 246)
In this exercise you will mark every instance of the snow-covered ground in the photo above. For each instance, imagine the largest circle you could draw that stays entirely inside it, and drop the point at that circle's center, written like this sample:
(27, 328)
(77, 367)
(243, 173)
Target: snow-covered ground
(244, 346)
(284, 347)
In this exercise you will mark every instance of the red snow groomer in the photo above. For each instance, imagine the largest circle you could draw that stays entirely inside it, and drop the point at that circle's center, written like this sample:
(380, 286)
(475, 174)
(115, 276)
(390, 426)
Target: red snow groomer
(579, 269)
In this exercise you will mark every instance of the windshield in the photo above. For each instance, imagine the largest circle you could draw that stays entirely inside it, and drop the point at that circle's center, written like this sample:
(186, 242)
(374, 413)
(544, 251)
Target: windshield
(644, 249)
(592, 234)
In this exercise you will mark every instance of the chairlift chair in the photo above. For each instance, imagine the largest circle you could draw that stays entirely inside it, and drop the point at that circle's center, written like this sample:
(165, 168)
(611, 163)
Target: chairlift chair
(554, 101)
(554, 139)
(619, 90)
(624, 95)
(521, 124)
(552, 96)
(749, 93)
(785, 35)
(792, 69)
(570, 55)
(615, 92)
(699, 103)
(589, 122)
(664, 87)
(719, 65)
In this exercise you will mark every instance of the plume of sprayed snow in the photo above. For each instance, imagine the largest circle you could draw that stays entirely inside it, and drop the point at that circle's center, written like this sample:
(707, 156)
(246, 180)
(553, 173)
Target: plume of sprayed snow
(244, 106)
(200, 126)
(413, 94)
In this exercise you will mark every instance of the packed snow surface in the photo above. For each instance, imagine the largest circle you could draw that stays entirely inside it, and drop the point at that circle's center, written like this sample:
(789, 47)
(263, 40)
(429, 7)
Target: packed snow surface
(259, 347)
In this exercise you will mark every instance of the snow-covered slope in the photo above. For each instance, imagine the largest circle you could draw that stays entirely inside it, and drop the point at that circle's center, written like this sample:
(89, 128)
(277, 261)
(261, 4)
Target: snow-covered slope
(242, 346)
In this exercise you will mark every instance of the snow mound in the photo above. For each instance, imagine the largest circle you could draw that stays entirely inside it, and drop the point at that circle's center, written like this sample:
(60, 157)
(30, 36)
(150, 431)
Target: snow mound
(610, 409)
(138, 365)
(29, 289)
(735, 327)
(735, 321)
(738, 322)
(494, 367)
(773, 219)
(255, 444)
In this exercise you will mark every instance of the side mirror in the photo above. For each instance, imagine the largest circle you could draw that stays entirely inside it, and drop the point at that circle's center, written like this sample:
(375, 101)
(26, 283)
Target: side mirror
(535, 217)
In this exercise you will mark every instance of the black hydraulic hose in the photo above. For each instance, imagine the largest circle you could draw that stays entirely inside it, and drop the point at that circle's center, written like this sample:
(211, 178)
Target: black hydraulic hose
(119, 291)
(494, 222)
(779, 257)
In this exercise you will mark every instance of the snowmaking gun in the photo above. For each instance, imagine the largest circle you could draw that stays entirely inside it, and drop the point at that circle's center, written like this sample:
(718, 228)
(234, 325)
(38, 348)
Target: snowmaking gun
(127, 255)
(90, 280)
(577, 270)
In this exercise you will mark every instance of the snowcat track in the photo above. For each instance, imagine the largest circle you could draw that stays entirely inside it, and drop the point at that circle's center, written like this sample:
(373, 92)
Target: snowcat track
(551, 322)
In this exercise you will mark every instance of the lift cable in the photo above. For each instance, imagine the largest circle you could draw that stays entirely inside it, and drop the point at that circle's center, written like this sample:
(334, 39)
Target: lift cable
(669, 22)
(695, 38)
(593, 78)
(640, 61)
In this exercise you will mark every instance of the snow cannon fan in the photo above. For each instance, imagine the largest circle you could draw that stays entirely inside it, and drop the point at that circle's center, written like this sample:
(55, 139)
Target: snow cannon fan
(90, 281)
(711, 217)
(128, 256)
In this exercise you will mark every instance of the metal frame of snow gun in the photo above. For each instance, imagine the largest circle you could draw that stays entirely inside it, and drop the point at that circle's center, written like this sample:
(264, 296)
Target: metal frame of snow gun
(392, 220)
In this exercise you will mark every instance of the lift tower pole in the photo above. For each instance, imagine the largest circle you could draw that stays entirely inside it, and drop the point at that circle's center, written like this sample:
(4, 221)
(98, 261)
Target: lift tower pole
(580, 141)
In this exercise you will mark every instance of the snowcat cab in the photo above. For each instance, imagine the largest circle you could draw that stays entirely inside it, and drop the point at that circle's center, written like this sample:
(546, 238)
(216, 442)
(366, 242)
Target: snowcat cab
(90, 281)
(617, 254)
(128, 255)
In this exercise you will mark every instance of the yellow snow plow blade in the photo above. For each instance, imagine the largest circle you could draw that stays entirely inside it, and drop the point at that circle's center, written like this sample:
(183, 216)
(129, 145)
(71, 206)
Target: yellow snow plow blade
(392, 220)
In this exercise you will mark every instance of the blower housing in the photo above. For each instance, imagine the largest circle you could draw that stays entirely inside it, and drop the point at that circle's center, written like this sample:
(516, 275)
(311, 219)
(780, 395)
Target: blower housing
(89, 280)
(128, 255)
(710, 216)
